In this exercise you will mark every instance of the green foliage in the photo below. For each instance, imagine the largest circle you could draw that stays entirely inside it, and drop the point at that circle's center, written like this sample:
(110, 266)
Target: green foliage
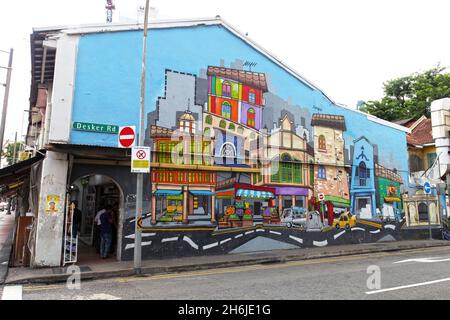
(411, 96)
(10, 152)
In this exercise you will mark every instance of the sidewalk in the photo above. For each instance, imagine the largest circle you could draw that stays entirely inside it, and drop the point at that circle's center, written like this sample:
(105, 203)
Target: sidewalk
(6, 235)
(102, 270)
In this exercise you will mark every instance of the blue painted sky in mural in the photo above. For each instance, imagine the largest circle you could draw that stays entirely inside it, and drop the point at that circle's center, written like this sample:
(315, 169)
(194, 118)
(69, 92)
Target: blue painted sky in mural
(107, 82)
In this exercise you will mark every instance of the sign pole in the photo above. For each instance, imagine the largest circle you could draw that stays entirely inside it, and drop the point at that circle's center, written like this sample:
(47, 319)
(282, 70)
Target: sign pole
(427, 190)
(429, 217)
(140, 176)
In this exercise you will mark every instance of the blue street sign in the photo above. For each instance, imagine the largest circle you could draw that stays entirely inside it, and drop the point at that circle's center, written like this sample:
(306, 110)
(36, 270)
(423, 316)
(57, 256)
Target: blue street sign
(427, 187)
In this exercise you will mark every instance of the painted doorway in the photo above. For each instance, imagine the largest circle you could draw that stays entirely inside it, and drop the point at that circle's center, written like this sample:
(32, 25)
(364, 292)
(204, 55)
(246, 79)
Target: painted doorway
(423, 212)
(92, 194)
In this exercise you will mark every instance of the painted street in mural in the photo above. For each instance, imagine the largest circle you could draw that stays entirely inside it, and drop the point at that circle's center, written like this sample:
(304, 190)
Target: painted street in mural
(238, 169)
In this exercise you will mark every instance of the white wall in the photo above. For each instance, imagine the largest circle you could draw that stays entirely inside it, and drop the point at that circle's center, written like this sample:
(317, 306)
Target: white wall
(63, 89)
(440, 121)
(50, 226)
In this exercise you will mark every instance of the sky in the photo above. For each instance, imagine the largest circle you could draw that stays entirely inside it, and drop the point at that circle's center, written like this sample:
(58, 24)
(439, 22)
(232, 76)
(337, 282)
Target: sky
(348, 48)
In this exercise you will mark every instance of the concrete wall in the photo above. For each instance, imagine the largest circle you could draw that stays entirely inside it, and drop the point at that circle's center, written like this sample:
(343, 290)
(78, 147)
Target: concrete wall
(49, 235)
(63, 89)
(440, 120)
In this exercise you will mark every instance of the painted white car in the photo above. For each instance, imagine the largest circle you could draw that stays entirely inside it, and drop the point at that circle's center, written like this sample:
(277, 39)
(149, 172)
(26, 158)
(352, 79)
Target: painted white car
(294, 217)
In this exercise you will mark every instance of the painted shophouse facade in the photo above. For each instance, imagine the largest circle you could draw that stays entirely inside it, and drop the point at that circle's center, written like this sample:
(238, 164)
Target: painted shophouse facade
(232, 148)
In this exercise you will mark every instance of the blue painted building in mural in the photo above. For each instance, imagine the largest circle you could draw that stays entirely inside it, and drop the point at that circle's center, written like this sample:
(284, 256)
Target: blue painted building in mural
(362, 186)
(197, 79)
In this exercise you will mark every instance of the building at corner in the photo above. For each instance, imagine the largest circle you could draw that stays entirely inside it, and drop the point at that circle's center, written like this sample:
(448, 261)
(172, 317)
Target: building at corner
(234, 149)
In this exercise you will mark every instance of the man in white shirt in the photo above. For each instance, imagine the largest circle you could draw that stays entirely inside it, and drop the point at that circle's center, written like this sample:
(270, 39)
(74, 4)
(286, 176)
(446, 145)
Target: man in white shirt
(97, 223)
(97, 217)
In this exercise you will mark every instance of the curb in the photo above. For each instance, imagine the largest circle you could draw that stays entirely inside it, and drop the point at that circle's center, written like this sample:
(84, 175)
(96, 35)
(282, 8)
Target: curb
(5, 255)
(150, 271)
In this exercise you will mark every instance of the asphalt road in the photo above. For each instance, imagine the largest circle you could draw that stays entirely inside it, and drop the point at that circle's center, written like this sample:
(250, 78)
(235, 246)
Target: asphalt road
(424, 275)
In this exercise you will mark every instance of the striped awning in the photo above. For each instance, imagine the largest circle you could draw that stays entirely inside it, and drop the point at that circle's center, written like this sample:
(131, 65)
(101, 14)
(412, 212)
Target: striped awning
(254, 194)
(201, 192)
(168, 192)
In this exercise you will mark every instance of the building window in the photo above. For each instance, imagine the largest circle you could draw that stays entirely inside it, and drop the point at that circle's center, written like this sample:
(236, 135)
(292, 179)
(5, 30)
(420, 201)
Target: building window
(423, 212)
(207, 133)
(415, 163)
(363, 173)
(286, 170)
(226, 110)
(431, 159)
(311, 173)
(231, 127)
(226, 89)
(275, 170)
(322, 143)
(208, 119)
(223, 124)
(298, 172)
(228, 150)
(322, 172)
(252, 97)
(251, 117)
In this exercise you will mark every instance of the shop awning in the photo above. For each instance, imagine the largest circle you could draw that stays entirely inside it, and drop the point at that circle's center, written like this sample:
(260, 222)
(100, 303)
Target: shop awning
(168, 192)
(392, 199)
(225, 195)
(338, 201)
(254, 194)
(201, 192)
(13, 177)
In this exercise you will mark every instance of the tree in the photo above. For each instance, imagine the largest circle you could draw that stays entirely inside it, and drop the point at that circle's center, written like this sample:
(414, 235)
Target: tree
(411, 96)
(9, 154)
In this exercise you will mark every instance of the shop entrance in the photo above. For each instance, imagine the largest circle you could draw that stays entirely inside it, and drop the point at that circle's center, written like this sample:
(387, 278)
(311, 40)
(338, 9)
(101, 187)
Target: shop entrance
(92, 194)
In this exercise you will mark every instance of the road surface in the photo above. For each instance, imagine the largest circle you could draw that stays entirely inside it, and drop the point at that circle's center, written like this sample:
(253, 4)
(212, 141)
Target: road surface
(414, 274)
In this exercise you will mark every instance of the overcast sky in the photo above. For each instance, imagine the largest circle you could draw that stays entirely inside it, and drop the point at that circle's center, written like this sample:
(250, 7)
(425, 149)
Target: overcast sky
(348, 48)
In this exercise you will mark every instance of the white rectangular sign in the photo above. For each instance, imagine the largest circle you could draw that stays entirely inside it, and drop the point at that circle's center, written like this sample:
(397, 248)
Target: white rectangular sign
(140, 159)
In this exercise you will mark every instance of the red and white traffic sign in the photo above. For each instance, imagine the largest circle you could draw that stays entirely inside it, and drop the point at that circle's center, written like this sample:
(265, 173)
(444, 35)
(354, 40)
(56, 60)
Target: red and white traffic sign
(321, 197)
(127, 137)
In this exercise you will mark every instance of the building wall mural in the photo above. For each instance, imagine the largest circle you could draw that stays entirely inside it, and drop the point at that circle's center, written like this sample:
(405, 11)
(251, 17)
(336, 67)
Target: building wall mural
(240, 156)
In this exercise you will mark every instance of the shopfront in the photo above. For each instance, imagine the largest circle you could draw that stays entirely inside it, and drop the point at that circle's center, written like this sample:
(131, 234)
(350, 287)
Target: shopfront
(243, 205)
(291, 197)
(183, 197)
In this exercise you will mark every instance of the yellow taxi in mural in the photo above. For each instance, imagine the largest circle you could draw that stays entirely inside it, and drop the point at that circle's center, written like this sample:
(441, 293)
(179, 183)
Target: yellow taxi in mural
(346, 220)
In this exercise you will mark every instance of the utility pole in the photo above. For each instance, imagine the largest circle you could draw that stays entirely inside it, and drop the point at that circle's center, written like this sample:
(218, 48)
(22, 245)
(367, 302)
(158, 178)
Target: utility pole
(15, 149)
(5, 98)
(140, 176)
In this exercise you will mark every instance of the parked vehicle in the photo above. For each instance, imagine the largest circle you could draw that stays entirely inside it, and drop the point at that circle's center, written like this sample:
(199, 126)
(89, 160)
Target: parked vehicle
(346, 220)
(294, 216)
(3, 206)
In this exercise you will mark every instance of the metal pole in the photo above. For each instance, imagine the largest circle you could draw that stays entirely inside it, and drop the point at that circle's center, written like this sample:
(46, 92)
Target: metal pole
(15, 149)
(140, 176)
(5, 98)
(429, 217)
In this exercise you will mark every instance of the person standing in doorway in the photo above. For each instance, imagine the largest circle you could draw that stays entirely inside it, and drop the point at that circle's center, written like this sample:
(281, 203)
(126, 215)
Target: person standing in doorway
(96, 236)
(76, 219)
(106, 229)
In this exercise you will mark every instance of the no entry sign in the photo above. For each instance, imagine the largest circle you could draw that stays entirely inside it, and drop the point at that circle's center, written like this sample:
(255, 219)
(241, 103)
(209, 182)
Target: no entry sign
(127, 137)
(140, 160)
